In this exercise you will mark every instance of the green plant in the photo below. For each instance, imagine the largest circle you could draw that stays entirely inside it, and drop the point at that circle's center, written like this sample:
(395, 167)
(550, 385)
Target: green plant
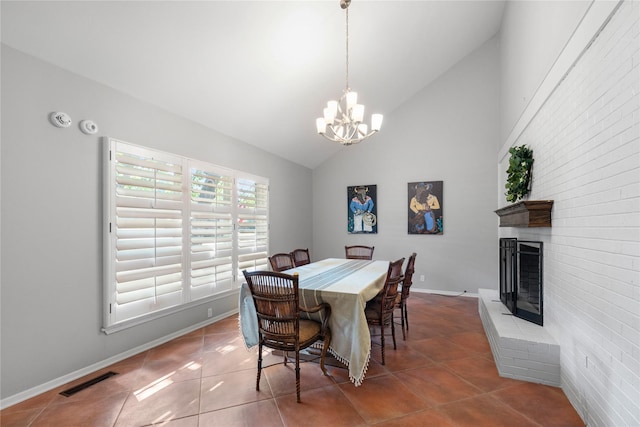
(519, 173)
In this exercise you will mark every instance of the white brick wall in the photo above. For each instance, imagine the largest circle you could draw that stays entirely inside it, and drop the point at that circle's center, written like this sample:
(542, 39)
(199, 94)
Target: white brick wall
(586, 144)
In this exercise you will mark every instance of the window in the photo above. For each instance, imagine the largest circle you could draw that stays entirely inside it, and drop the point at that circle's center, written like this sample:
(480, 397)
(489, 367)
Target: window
(178, 232)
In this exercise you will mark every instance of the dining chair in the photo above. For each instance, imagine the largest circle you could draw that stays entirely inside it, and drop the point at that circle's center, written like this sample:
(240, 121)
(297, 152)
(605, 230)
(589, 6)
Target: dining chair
(301, 257)
(359, 252)
(280, 325)
(379, 310)
(280, 262)
(403, 295)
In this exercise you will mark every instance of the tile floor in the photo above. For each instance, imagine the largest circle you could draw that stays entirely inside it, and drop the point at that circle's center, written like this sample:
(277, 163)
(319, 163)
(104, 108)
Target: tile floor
(442, 375)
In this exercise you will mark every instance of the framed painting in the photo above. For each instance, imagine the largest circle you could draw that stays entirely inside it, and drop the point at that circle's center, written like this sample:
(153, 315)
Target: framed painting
(424, 212)
(361, 209)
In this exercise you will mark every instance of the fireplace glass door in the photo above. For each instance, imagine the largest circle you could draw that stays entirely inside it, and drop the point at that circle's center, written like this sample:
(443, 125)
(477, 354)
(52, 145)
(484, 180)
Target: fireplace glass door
(521, 278)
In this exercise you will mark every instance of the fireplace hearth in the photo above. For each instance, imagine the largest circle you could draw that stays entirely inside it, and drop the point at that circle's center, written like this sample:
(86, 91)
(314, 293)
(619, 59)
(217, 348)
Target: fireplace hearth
(521, 278)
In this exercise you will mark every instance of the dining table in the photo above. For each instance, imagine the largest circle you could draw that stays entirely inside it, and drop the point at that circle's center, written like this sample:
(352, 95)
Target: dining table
(346, 285)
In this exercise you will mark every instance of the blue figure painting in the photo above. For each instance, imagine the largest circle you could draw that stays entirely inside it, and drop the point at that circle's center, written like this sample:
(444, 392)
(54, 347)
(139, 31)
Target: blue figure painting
(361, 209)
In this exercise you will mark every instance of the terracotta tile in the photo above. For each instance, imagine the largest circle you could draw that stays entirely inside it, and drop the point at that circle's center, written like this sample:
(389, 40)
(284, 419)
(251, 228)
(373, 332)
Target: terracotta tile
(428, 417)
(382, 398)
(223, 341)
(439, 349)
(263, 413)
(226, 352)
(404, 358)
(437, 385)
(324, 406)
(16, 418)
(229, 324)
(528, 399)
(484, 410)
(160, 402)
(176, 370)
(232, 389)
(481, 372)
(473, 342)
(179, 348)
(340, 372)
(423, 330)
(282, 379)
(191, 421)
(37, 403)
(102, 412)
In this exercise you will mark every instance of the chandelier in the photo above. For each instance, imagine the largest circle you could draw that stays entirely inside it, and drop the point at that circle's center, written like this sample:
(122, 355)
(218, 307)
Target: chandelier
(342, 120)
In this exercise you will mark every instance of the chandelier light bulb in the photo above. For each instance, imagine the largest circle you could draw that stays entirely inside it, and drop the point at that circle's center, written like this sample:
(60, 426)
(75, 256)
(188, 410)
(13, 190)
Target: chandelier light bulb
(357, 113)
(376, 122)
(352, 99)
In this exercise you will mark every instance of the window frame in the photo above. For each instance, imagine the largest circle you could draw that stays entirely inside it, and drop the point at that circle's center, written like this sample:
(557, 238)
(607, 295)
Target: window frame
(203, 234)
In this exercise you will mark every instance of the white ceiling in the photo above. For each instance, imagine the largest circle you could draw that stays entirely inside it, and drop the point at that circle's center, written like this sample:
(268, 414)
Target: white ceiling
(258, 71)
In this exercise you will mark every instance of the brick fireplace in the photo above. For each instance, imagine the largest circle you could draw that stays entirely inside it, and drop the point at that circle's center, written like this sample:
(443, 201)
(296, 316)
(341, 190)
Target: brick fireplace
(512, 316)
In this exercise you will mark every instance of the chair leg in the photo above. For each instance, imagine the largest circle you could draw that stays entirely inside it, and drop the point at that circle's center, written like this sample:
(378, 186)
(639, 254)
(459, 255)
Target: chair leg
(393, 332)
(325, 347)
(259, 366)
(406, 315)
(298, 374)
(382, 340)
(404, 336)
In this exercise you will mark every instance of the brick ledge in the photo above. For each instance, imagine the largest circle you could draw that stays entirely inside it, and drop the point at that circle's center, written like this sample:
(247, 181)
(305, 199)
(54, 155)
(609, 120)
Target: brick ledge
(522, 350)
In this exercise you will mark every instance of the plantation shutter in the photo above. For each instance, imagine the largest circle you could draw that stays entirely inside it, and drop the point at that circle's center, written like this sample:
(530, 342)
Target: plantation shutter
(147, 228)
(211, 231)
(178, 232)
(253, 226)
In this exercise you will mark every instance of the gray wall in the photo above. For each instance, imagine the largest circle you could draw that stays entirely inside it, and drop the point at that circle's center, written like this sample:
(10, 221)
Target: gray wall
(51, 306)
(447, 132)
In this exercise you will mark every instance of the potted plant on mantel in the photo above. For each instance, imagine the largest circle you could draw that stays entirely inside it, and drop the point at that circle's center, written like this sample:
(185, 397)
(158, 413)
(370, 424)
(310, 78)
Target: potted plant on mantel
(519, 173)
(518, 185)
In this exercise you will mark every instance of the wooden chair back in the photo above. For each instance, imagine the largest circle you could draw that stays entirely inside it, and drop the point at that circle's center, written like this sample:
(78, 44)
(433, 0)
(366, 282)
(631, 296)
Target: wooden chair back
(281, 262)
(390, 290)
(408, 276)
(301, 257)
(276, 299)
(280, 326)
(379, 311)
(359, 252)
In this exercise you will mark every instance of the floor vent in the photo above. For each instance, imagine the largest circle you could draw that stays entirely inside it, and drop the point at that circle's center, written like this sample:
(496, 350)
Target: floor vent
(87, 384)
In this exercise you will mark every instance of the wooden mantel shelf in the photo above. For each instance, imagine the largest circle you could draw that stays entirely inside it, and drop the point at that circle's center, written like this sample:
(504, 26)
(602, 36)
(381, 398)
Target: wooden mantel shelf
(534, 213)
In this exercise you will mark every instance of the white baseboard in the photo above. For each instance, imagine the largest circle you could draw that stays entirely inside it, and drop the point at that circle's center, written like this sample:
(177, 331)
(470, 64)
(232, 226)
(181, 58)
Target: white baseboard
(444, 293)
(60, 381)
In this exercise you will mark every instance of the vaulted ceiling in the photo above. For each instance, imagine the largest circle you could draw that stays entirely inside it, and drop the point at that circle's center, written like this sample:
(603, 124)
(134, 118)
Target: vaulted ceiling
(258, 71)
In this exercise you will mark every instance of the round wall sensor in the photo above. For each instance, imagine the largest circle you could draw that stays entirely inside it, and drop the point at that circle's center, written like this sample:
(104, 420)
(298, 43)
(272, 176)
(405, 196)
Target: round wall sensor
(60, 119)
(88, 127)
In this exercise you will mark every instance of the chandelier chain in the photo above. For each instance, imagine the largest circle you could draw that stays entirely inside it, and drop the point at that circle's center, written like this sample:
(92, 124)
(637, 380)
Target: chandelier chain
(347, 50)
